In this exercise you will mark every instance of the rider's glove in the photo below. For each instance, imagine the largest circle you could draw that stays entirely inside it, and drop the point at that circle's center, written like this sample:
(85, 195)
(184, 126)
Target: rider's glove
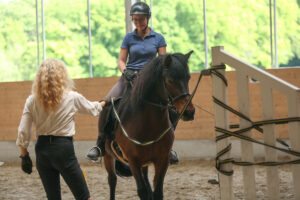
(129, 75)
(26, 164)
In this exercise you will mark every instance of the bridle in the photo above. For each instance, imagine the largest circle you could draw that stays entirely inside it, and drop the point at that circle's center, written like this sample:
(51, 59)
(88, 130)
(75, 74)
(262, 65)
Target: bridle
(170, 101)
(164, 106)
(203, 72)
(173, 99)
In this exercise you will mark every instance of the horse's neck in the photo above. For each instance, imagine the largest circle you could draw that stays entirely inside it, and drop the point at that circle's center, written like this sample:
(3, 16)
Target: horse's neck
(159, 95)
(155, 117)
(156, 107)
(149, 120)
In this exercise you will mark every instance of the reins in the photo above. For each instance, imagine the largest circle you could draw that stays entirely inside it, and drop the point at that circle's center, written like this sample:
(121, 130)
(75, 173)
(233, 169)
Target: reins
(203, 72)
(160, 105)
(133, 139)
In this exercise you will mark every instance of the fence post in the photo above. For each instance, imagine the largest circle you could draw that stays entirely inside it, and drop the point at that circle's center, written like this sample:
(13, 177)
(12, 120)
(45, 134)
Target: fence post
(242, 82)
(269, 138)
(221, 120)
(294, 130)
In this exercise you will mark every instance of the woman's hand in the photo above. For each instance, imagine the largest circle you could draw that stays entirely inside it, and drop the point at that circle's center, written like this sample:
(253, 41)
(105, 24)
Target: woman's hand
(102, 103)
(24, 151)
(129, 75)
(26, 163)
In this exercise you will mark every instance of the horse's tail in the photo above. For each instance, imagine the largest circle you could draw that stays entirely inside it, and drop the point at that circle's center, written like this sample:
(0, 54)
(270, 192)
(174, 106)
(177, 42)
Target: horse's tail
(122, 169)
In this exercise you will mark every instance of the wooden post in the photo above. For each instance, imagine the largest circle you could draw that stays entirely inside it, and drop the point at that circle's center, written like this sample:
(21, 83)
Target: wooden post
(242, 82)
(268, 84)
(294, 130)
(269, 138)
(127, 16)
(221, 120)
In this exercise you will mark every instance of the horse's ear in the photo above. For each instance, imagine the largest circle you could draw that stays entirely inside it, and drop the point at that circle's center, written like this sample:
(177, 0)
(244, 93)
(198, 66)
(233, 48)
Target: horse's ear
(187, 56)
(167, 60)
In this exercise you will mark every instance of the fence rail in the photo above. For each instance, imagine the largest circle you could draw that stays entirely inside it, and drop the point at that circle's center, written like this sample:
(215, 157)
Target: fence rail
(268, 83)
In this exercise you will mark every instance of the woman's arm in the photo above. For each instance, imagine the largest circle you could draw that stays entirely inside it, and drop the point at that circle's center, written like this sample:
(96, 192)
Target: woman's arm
(122, 59)
(162, 50)
(85, 106)
(25, 126)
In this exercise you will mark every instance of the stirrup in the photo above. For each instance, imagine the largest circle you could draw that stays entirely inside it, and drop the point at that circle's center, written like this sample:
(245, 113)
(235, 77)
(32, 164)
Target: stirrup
(174, 159)
(94, 158)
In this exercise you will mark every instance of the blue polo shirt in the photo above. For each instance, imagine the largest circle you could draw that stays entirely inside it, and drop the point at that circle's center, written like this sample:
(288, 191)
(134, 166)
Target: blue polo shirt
(140, 50)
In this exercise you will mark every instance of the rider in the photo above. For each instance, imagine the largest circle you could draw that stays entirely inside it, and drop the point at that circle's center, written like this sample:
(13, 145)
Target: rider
(141, 45)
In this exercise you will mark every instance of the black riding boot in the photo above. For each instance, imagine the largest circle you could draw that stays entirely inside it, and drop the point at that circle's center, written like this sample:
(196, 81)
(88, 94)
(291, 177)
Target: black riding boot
(97, 151)
(174, 159)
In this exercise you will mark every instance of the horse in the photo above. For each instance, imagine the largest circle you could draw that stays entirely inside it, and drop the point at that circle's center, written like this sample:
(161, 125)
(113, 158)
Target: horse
(144, 133)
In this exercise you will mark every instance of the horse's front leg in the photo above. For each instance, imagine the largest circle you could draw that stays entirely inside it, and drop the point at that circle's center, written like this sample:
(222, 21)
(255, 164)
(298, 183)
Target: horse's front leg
(161, 168)
(109, 163)
(140, 181)
(145, 175)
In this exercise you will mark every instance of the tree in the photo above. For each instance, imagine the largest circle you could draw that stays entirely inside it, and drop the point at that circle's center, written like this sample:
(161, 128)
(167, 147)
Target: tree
(242, 27)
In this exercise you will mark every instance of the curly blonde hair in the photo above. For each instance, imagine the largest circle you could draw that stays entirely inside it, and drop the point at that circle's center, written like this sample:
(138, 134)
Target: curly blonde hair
(51, 81)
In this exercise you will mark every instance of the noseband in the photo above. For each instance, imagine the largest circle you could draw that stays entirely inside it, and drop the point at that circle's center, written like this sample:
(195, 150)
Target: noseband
(170, 101)
(173, 99)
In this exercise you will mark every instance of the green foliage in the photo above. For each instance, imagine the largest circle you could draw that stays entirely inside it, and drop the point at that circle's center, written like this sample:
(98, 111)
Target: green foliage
(242, 27)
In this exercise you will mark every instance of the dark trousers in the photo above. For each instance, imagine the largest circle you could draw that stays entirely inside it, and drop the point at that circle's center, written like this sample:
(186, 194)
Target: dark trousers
(117, 91)
(55, 156)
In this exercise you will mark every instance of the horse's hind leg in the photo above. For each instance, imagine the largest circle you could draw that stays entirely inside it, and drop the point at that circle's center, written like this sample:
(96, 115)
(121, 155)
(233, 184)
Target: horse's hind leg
(145, 175)
(160, 172)
(109, 163)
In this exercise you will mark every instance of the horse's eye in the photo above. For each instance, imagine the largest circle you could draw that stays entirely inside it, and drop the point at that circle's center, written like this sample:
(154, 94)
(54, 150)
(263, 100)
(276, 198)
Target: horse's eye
(171, 81)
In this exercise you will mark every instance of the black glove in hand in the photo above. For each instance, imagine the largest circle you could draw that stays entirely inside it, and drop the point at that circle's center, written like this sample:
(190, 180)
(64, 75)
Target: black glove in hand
(26, 164)
(129, 75)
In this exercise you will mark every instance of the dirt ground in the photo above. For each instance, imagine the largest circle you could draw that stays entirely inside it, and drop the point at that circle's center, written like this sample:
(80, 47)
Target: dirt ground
(188, 180)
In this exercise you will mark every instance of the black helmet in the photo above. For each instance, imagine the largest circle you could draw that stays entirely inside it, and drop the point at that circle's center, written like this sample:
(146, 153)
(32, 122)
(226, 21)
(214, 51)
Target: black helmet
(140, 8)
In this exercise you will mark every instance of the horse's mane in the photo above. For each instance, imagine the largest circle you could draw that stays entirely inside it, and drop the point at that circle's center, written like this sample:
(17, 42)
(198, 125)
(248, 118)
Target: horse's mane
(152, 75)
(147, 78)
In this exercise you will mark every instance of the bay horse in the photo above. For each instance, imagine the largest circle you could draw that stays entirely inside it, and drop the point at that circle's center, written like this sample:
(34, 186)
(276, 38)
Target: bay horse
(143, 117)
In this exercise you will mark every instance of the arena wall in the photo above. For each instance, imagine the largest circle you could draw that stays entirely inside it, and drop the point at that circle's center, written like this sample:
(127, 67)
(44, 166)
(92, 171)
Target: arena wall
(189, 135)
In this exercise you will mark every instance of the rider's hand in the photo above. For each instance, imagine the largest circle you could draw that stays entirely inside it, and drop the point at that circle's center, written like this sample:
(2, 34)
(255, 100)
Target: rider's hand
(102, 103)
(26, 164)
(129, 75)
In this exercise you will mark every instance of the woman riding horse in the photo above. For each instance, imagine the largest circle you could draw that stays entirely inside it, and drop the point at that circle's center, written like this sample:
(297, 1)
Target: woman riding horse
(142, 45)
(144, 135)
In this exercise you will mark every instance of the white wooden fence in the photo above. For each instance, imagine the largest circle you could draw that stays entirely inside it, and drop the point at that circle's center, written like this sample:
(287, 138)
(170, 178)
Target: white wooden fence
(268, 83)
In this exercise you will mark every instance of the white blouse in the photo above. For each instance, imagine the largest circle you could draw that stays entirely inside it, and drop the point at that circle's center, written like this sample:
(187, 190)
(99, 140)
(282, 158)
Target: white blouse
(59, 124)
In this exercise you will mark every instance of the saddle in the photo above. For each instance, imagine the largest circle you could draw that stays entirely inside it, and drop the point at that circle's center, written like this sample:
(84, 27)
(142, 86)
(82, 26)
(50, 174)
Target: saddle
(108, 128)
(110, 121)
(118, 152)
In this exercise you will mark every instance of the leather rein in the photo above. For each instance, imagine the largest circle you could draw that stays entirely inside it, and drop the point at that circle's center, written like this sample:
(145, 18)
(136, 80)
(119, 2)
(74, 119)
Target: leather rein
(161, 105)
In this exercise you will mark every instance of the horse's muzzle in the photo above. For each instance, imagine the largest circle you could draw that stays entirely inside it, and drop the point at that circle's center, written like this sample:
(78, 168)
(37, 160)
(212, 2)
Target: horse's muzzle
(188, 115)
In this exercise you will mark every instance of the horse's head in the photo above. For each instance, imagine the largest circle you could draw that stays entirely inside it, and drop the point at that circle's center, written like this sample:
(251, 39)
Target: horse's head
(176, 79)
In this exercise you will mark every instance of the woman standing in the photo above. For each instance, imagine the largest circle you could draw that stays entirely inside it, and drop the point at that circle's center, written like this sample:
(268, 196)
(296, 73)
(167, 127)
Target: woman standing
(51, 108)
(137, 49)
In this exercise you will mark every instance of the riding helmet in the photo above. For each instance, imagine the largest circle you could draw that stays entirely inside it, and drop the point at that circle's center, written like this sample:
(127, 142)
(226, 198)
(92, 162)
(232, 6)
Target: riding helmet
(140, 8)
